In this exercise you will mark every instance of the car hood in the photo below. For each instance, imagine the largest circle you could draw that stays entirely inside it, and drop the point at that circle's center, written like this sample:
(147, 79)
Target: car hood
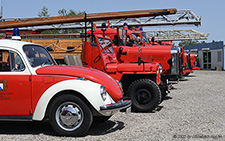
(97, 76)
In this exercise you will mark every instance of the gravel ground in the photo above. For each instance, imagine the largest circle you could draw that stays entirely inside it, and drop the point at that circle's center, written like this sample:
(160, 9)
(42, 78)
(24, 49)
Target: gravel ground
(194, 110)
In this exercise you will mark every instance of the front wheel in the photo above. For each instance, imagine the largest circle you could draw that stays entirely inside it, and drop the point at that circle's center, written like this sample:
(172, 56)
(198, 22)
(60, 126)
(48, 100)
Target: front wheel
(145, 95)
(70, 116)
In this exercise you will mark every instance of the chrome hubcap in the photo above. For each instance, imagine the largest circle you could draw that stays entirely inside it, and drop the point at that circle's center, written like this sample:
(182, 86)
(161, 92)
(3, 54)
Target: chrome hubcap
(69, 116)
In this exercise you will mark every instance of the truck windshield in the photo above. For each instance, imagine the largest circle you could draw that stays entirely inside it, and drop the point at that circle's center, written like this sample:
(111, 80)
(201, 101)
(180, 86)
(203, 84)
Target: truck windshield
(37, 55)
(105, 45)
(144, 35)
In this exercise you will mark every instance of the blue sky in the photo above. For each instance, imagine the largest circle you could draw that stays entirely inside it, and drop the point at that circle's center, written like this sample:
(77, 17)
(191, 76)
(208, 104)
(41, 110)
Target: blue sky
(211, 11)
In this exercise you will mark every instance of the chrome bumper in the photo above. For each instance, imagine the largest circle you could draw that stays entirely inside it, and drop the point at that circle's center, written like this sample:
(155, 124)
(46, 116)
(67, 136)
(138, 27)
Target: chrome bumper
(115, 106)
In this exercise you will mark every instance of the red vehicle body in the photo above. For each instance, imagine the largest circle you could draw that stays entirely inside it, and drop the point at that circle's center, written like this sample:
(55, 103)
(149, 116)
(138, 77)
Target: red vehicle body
(140, 80)
(194, 61)
(141, 47)
(187, 69)
(185, 62)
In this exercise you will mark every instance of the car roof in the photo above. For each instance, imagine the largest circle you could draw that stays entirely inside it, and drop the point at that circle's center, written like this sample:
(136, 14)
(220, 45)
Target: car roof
(13, 43)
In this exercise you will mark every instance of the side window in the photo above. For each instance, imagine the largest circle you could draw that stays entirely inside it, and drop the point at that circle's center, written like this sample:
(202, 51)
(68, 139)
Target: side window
(4, 61)
(16, 62)
(10, 61)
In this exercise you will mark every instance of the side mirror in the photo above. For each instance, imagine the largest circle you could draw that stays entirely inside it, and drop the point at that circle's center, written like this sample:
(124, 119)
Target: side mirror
(121, 51)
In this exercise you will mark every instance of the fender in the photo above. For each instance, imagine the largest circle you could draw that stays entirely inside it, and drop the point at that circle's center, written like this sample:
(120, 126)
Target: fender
(90, 90)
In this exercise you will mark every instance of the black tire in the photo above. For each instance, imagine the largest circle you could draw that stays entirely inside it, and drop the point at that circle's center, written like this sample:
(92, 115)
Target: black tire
(145, 95)
(186, 74)
(70, 116)
(101, 119)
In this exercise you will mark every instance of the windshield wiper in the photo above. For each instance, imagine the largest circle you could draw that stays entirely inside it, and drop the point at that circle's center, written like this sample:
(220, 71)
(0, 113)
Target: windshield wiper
(48, 61)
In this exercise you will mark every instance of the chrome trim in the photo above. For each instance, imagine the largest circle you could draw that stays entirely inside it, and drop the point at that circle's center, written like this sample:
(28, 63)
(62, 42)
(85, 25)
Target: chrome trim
(69, 116)
(174, 60)
(115, 106)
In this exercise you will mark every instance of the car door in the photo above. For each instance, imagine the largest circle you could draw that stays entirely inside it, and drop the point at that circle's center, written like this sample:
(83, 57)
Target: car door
(15, 84)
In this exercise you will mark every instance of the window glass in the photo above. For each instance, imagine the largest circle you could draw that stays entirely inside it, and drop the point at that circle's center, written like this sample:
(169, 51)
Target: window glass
(37, 55)
(219, 56)
(106, 45)
(145, 38)
(10, 61)
(4, 61)
(209, 57)
(16, 62)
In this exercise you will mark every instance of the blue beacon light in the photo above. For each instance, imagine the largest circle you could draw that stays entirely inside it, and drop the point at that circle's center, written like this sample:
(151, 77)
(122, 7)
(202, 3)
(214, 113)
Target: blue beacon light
(103, 27)
(16, 34)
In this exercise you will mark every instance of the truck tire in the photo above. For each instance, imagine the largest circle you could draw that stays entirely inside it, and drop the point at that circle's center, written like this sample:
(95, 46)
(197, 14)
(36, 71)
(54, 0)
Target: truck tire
(186, 74)
(144, 94)
(70, 116)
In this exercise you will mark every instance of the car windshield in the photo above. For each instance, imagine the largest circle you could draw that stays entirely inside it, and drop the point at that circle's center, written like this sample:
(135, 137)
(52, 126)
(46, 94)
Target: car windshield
(106, 45)
(37, 55)
(144, 35)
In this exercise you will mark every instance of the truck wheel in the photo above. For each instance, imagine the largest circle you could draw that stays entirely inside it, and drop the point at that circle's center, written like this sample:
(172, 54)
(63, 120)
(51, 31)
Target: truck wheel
(70, 116)
(144, 94)
(186, 74)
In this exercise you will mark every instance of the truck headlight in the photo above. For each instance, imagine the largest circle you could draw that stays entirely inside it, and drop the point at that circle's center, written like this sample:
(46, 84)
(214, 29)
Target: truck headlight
(103, 93)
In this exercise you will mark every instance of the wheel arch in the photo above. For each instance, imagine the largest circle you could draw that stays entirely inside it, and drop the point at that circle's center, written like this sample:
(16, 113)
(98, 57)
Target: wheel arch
(68, 92)
(77, 87)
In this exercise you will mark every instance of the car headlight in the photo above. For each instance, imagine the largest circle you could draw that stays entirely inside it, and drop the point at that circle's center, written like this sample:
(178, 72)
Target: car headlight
(103, 93)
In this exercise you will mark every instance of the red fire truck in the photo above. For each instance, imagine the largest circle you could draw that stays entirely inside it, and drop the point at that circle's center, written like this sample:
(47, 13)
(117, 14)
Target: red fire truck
(184, 62)
(140, 80)
(194, 61)
(185, 66)
(134, 48)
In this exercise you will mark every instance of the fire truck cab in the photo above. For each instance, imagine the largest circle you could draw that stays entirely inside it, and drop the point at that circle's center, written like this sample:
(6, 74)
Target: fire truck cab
(140, 80)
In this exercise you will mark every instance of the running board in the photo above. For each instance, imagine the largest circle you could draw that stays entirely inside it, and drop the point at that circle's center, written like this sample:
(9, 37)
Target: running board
(16, 118)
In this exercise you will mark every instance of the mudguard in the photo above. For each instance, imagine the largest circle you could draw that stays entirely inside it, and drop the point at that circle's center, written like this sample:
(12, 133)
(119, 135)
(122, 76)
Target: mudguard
(90, 90)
